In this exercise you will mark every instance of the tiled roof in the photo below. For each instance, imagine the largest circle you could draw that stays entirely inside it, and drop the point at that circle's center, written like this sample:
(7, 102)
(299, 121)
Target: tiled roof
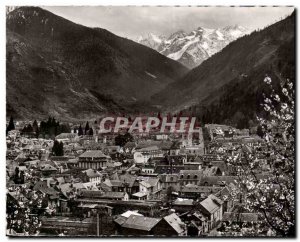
(139, 194)
(100, 194)
(113, 194)
(120, 220)
(145, 184)
(200, 189)
(78, 185)
(42, 187)
(66, 136)
(148, 149)
(116, 183)
(215, 180)
(175, 222)
(93, 153)
(127, 178)
(211, 171)
(149, 181)
(141, 223)
(65, 188)
(191, 172)
(92, 173)
(211, 203)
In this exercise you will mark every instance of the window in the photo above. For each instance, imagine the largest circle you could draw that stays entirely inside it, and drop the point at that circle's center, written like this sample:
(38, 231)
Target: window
(195, 176)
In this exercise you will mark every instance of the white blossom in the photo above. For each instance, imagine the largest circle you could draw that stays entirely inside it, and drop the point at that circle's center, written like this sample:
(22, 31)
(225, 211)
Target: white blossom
(267, 100)
(267, 80)
(284, 106)
(267, 107)
(285, 91)
(277, 98)
(290, 85)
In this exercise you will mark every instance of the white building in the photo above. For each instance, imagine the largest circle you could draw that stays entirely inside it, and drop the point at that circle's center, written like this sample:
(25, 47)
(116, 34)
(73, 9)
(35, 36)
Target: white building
(142, 155)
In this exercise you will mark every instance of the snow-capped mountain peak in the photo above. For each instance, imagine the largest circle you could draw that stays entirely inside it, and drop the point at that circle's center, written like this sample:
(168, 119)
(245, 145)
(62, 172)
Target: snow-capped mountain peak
(236, 31)
(235, 27)
(177, 34)
(151, 40)
(191, 49)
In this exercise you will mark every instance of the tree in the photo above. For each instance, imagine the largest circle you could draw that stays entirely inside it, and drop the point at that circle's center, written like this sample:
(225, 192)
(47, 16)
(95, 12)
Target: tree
(52, 128)
(43, 128)
(121, 140)
(272, 195)
(58, 148)
(242, 122)
(128, 137)
(28, 129)
(35, 128)
(11, 125)
(55, 147)
(61, 149)
(87, 128)
(80, 131)
(206, 135)
(203, 121)
(91, 132)
(65, 128)
(259, 131)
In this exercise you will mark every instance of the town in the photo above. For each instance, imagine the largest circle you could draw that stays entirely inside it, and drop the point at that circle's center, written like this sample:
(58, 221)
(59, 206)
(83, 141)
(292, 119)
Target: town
(72, 180)
(150, 121)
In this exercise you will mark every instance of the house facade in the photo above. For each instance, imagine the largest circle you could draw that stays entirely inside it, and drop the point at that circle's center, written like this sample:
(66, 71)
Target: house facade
(94, 159)
(212, 207)
(151, 187)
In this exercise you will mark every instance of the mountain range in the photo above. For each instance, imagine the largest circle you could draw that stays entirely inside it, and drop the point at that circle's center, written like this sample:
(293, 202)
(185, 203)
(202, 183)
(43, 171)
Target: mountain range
(72, 72)
(191, 49)
(59, 68)
(228, 87)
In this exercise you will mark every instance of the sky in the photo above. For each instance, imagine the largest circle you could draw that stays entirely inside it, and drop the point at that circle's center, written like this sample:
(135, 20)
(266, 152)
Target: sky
(133, 21)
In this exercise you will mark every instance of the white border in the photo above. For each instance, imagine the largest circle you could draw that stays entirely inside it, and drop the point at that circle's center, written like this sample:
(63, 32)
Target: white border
(4, 3)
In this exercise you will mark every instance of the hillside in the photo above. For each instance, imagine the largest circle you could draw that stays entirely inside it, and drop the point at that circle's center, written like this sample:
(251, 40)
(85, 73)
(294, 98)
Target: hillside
(56, 67)
(227, 87)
